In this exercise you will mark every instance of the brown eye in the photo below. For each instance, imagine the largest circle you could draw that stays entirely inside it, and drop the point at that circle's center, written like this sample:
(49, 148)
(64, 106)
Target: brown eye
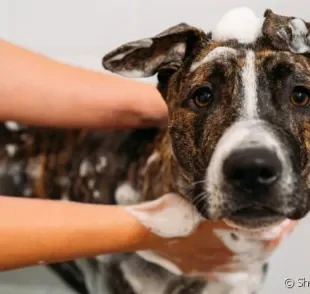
(202, 97)
(300, 97)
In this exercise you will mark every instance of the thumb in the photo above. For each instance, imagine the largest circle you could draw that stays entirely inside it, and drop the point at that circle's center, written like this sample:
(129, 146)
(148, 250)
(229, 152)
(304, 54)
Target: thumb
(169, 216)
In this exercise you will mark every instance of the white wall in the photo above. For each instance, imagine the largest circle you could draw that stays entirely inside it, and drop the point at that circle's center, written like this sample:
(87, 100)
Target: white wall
(81, 32)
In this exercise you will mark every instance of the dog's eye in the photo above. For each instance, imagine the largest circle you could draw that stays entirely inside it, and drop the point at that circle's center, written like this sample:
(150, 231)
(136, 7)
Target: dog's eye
(300, 97)
(202, 97)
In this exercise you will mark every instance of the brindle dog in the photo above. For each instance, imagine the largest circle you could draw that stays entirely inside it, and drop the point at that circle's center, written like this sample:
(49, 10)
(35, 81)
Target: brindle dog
(237, 144)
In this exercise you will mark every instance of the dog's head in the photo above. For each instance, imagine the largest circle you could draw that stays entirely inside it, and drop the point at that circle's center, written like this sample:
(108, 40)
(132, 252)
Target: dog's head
(239, 111)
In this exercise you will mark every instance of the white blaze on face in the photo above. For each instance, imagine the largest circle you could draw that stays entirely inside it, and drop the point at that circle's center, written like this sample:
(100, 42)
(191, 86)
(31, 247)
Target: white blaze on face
(244, 26)
(249, 85)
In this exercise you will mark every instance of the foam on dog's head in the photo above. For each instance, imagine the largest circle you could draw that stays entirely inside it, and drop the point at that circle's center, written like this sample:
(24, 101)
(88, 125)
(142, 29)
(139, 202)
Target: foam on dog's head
(241, 24)
(169, 49)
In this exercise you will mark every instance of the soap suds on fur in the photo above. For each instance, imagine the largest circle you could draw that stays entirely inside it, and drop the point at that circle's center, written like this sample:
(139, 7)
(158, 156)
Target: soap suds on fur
(11, 149)
(163, 262)
(157, 215)
(241, 24)
(300, 42)
(125, 194)
(12, 126)
(219, 52)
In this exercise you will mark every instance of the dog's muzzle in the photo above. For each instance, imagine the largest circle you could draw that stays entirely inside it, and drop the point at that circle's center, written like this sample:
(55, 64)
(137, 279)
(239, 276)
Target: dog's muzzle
(250, 173)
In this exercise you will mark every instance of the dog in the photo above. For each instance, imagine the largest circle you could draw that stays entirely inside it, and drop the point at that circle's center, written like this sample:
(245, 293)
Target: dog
(236, 146)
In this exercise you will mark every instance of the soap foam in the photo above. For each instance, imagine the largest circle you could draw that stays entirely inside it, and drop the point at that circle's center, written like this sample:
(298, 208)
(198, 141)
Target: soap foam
(241, 24)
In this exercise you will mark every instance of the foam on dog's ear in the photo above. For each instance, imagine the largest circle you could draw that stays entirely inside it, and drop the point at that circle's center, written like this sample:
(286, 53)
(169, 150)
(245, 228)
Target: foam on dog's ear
(146, 57)
(287, 33)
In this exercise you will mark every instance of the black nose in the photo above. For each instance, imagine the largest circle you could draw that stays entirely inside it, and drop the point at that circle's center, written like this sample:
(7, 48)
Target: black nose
(252, 169)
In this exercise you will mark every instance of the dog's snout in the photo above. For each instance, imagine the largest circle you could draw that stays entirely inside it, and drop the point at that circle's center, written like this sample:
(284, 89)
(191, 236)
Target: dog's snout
(252, 169)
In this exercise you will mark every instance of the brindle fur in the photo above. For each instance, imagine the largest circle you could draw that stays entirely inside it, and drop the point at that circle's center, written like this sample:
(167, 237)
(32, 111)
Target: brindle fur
(63, 164)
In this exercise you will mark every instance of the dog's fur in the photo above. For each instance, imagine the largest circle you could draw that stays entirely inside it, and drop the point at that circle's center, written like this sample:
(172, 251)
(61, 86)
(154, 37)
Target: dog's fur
(251, 85)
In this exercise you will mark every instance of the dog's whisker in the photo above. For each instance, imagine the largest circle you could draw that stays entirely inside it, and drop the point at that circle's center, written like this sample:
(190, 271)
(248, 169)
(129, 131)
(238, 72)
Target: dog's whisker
(192, 186)
(199, 198)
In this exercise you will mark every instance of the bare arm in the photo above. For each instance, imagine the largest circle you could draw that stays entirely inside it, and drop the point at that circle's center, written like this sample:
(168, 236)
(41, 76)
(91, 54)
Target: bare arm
(37, 90)
(43, 231)
(36, 231)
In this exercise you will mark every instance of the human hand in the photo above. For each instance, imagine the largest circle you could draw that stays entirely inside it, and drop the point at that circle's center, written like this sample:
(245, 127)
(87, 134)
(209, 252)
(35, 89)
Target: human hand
(197, 246)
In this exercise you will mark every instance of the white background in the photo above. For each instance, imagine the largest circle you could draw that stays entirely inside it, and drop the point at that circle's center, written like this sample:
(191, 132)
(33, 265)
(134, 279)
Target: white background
(80, 32)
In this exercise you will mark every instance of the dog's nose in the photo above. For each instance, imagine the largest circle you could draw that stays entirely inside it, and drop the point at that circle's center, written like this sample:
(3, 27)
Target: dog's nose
(252, 169)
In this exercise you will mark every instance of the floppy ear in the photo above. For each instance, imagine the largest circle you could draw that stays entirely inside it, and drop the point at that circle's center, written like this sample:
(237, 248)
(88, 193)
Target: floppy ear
(287, 33)
(147, 57)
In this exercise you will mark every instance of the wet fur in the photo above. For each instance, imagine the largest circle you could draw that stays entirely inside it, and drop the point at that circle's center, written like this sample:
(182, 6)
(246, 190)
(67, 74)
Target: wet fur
(89, 166)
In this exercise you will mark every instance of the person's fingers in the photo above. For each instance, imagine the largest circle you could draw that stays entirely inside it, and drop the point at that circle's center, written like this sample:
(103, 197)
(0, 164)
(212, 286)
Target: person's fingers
(187, 240)
(170, 216)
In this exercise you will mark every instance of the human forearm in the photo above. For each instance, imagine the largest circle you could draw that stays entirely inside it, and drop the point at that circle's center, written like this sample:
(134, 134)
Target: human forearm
(44, 231)
(37, 90)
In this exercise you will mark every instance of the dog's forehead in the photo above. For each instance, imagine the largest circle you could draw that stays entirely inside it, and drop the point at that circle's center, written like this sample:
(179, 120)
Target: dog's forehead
(225, 52)
(241, 30)
(212, 52)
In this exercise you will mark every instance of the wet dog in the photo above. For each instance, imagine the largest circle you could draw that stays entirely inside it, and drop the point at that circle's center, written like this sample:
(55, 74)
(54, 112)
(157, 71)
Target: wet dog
(237, 144)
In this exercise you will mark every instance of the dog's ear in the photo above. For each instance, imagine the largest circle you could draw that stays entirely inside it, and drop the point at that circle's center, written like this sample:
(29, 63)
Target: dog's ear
(162, 53)
(287, 33)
